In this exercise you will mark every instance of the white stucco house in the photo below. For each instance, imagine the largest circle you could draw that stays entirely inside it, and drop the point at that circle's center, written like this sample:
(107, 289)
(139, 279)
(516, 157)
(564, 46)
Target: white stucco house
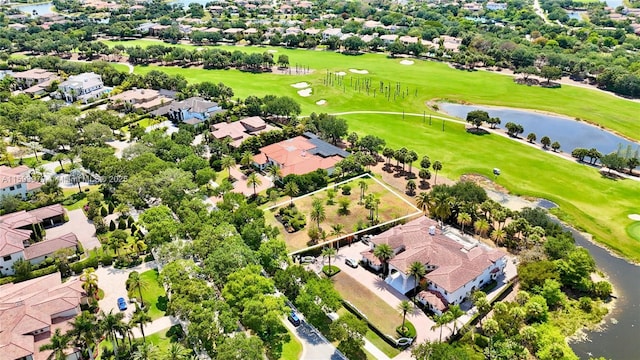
(17, 181)
(83, 87)
(454, 268)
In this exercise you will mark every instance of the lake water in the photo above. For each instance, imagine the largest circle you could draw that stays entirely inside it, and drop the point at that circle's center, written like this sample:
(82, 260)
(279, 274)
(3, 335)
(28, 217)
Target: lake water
(568, 132)
(614, 3)
(41, 9)
(619, 338)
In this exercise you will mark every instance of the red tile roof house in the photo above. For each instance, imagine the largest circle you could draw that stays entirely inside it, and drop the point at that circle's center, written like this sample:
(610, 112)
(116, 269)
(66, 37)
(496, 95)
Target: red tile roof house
(454, 268)
(300, 155)
(239, 131)
(31, 311)
(17, 181)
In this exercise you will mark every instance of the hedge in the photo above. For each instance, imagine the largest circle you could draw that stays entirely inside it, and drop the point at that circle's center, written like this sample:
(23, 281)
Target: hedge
(330, 271)
(391, 341)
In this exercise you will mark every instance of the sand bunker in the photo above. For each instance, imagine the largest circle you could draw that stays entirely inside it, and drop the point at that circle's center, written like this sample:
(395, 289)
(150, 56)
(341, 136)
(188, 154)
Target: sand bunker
(634, 217)
(301, 85)
(272, 51)
(356, 71)
(321, 102)
(406, 62)
(305, 92)
(341, 73)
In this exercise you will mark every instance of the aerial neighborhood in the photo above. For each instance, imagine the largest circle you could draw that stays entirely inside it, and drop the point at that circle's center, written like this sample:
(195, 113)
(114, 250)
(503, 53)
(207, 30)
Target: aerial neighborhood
(291, 179)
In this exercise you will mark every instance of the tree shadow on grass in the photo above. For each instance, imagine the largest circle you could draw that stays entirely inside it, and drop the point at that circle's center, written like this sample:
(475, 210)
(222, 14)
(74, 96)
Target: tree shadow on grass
(477, 131)
(162, 302)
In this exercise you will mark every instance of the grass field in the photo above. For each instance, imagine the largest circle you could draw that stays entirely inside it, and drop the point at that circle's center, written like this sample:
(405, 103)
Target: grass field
(634, 230)
(391, 207)
(591, 202)
(154, 295)
(292, 349)
(432, 80)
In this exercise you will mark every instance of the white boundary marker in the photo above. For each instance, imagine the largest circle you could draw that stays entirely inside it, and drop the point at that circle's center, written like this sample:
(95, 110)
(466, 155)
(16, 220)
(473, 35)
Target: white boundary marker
(417, 212)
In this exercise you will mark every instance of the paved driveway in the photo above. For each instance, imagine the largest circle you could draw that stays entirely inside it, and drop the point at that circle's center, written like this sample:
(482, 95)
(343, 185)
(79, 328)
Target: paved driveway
(79, 225)
(113, 282)
(314, 345)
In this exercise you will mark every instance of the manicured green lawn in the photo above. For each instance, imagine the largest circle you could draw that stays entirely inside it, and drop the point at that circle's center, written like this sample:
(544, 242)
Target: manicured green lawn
(432, 80)
(163, 339)
(292, 349)
(634, 230)
(587, 200)
(154, 295)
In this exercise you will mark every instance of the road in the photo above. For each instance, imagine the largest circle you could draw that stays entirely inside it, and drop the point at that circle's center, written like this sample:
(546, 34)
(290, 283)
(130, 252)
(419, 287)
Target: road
(540, 12)
(314, 345)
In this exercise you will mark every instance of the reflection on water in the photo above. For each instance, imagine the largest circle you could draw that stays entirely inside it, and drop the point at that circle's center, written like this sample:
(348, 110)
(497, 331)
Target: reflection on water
(40, 9)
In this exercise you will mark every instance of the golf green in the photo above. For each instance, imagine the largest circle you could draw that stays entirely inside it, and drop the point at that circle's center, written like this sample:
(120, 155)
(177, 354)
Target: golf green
(634, 230)
(420, 82)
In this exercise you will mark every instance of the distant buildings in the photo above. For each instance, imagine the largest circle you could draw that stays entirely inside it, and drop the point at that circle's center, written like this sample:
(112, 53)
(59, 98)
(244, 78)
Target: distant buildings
(83, 87)
(454, 268)
(34, 78)
(32, 310)
(17, 181)
(300, 155)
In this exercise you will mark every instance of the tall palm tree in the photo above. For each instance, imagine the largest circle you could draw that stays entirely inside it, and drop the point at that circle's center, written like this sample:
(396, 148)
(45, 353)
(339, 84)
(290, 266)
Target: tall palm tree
(110, 324)
(384, 252)
(58, 342)
(275, 172)
(328, 252)
(388, 153)
(454, 314)
(404, 307)
(464, 219)
(318, 213)
(417, 270)
(498, 236)
(440, 321)
(442, 206)
(145, 352)
(59, 157)
(254, 180)
(84, 332)
(436, 166)
(411, 186)
(89, 281)
(423, 200)
(227, 163)
(247, 159)
(76, 177)
(363, 187)
(291, 190)
(410, 158)
(141, 317)
(481, 226)
(136, 283)
(176, 352)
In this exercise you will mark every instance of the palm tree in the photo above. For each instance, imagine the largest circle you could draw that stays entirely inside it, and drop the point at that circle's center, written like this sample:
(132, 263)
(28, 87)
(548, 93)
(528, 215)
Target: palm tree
(454, 313)
(84, 332)
(145, 352)
(384, 252)
(363, 186)
(317, 212)
(410, 158)
(35, 147)
(498, 236)
(464, 219)
(442, 206)
(59, 157)
(141, 317)
(291, 190)
(110, 323)
(58, 342)
(440, 321)
(411, 187)
(275, 172)
(337, 230)
(227, 163)
(328, 252)
(404, 307)
(76, 177)
(437, 166)
(136, 282)
(481, 226)
(423, 201)
(417, 270)
(388, 153)
(254, 181)
(89, 281)
(176, 352)
(247, 159)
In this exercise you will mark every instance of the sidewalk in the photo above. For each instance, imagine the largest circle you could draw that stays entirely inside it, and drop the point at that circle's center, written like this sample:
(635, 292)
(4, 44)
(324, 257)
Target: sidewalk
(155, 326)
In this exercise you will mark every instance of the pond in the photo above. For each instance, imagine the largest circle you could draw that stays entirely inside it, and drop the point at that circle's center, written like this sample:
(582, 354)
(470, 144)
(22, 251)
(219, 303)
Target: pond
(568, 132)
(41, 9)
(619, 338)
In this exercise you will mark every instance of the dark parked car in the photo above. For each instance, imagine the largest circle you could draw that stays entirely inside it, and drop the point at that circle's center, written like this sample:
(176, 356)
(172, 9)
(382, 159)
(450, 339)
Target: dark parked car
(293, 318)
(122, 304)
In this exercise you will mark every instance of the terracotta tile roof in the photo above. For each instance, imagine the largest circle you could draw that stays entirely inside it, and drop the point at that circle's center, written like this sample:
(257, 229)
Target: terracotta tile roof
(455, 265)
(47, 212)
(434, 298)
(46, 247)
(12, 240)
(26, 218)
(298, 156)
(31, 306)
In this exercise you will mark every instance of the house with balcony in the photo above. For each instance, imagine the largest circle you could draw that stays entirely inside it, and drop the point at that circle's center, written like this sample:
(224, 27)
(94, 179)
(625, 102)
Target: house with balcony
(31, 311)
(17, 181)
(83, 87)
(454, 267)
(192, 111)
